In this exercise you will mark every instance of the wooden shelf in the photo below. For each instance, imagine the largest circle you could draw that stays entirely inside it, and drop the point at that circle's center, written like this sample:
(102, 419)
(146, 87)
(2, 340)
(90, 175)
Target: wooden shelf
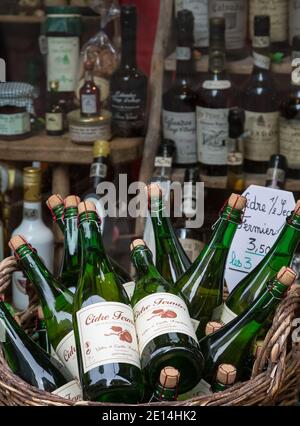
(41, 147)
(243, 66)
(31, 19)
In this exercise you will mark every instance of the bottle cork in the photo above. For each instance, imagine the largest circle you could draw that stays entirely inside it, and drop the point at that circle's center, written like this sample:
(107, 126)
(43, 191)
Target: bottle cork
(86, 206)
(237, 202)
(169, 377)
(71, 201)
(212, 326)
(54, 201)
(286, 276)
(226, 374)
(137, 243)
(16, 241)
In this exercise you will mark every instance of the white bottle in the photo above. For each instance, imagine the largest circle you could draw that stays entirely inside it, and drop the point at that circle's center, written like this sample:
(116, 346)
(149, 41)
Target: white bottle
(36, 233)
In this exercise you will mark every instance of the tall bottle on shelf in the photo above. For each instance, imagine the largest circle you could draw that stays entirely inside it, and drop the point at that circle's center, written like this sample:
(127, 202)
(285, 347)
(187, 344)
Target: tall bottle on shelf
(215, 98)
(281, 254)
(260, 102)
(128, 84)
(106, 341)
(179, 102)
(54, 113)
(56, 302)
(169, 339)
(34, 230)
(202, 283)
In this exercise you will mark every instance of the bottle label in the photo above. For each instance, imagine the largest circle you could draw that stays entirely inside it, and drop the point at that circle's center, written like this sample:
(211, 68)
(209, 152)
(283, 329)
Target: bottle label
(30, 214)
(202, 389)
(294, 19)
(161, 313)
(235, 14)
(212, 135)
(227, 315)
(183, 53)
(192, 248)
(290, 141)
(296, 71)
(163, 162)
(195, 324)
(278, 12)
(98, 170)
(71, 391)
(14, 124)
(261, 41)
(62, 62)
(129, 288)
(200, 12)
(66, 351)
(88, 104)
(90, 133)
(261, 61)
(107, 335)
(180, 127)
(262, 128)
(216, 84)
(128, 106)
(54, 121)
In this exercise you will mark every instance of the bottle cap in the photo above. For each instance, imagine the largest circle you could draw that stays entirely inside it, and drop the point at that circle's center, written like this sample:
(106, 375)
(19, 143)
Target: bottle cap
(86, 206)
(286, 276)
(237, 202)
(212, 326)
(54, 201)
(137, 243)
(169, 377)
(101, 148)
(153, 191)
(262, 25)
(71, 201)
(226, 374)
(16, 241)
(185, 27)
(32, 184)
(217, 28)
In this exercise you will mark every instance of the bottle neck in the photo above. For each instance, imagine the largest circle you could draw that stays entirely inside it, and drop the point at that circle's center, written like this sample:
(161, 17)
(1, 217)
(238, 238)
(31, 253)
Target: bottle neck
(225, 228)
(185, 64)
(261, 55)
(164, 394)
(143, 262)
(88, 76)
(217, 59)
(98, 172)
(128, 55)
(71, 232)
(32, 211)
(58, 216)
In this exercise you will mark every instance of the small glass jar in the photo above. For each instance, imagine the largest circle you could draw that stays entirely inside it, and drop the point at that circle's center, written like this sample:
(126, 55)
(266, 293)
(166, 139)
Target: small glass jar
(14, 123)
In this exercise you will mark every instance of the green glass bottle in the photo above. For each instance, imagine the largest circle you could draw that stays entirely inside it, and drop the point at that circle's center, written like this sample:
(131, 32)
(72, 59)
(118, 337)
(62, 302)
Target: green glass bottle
(226, 376)
(106, 341)
(171, 259)
(233, 342)
(56, 302)
(202, 283)
(70, 266)
(164, 328)
(31, 363)
(167, 385)
(43, 338)
(281, 254)
(55, 204)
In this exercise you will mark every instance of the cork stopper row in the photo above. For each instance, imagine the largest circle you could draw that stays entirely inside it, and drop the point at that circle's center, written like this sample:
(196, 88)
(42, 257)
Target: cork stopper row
(169, 377)
(57, 200)
(86, 206)
(237, 201)
(226, 374)
(286, 276)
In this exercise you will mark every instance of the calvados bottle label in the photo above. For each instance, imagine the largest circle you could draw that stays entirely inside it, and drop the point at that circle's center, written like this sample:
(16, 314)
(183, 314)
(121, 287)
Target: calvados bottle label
(181, 128)
(66, 351)
(161, 313)
(88, 104)
(98, 170)
(290, 141)
(107, 335)
(54, 121)
(227, 314)
(262, 128)
(128, 106)
(71, 391)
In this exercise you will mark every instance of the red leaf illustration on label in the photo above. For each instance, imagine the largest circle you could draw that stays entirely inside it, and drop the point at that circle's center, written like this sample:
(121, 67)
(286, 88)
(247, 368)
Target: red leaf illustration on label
(124, 335)
(163, 314)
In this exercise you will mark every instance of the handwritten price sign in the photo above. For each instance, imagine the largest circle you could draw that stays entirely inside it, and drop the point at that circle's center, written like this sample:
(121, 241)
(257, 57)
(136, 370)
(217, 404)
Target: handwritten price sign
(265, 215)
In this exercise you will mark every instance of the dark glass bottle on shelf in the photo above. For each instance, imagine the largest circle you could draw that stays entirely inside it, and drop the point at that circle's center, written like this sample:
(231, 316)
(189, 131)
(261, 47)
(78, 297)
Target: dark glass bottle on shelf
(260, 102)
(216, 96)
(289, 124)
(89, 93)
(179, 102)
(235, 160)
(128, 84)
(276, 172)
(54, 113)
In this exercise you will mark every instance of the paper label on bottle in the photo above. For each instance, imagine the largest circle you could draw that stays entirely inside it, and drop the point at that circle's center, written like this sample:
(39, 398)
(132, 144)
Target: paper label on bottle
(183, 53)
(66, 351)
(192, 247)
(200, 12)
(129, 288)
(261, 41)
(98, 170)
(180, 127)
(278, 12)
(262, 140)
(161, 313)
(128, 106)
(202, 389)
(294, 19)
(90, 133)
(290, 141)
(296, 71)
(30, 214)
(88, 104)
(163, 162)
(54, 121)
(107, 335)
(195, 324)
(235, 14)
(212, 135)
(261, 61)
(216, 84)
(71, 391)
(14, 124)
(62, 62)
(227, 315)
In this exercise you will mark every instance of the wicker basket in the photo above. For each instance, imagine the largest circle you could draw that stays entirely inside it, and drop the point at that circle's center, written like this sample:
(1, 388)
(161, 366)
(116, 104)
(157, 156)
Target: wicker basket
(278, 384)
